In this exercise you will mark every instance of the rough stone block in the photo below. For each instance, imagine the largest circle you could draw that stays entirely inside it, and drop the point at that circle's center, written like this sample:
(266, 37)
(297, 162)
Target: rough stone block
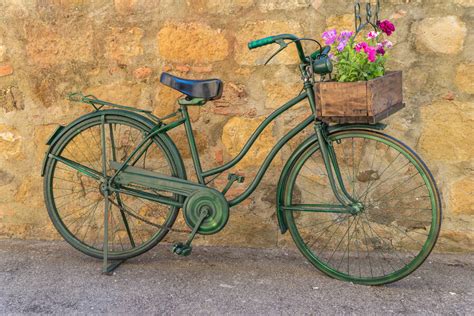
(462, 197)
(266, 6)
(447, 129)
(442, 35)
(238, 130)
(124, 44)
(256, 30)
(193, 42)
(465, 78)
(58, 44)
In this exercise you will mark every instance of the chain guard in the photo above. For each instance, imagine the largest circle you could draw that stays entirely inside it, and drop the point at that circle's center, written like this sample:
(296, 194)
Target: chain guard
(216, 205)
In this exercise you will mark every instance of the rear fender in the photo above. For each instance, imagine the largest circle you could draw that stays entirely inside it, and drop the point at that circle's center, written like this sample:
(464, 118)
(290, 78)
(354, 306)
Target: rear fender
(62, 130)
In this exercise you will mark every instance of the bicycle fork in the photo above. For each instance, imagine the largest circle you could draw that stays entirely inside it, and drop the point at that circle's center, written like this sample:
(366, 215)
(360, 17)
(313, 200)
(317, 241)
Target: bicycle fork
(330, 160)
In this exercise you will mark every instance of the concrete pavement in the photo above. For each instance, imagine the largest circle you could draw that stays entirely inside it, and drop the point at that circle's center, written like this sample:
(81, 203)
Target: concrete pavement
(51, 277)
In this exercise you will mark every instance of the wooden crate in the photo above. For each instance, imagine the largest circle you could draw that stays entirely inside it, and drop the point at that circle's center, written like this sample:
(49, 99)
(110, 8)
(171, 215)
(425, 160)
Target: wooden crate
(360, 102)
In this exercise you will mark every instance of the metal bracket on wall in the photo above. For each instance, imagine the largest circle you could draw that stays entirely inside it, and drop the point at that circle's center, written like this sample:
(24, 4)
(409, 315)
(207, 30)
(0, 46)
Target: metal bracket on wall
(371, 18)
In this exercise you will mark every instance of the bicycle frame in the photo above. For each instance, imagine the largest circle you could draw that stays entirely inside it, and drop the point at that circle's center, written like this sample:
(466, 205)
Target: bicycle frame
(328, 154)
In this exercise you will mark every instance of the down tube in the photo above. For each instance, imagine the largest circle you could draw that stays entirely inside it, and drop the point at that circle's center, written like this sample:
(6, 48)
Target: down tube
(269, 158)
(255, 135)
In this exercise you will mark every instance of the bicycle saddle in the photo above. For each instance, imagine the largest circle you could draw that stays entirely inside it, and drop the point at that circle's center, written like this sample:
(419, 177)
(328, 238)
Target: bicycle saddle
(210, 89)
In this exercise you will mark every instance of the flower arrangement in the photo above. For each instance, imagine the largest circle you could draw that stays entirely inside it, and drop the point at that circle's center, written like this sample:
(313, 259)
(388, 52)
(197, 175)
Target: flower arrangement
(359, 61)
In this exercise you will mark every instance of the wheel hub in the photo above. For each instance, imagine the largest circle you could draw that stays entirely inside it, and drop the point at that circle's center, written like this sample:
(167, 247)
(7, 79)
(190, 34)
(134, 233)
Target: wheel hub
(357, 208)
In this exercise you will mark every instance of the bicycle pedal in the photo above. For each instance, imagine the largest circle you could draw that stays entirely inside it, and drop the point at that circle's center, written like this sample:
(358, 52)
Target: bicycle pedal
(181, 249)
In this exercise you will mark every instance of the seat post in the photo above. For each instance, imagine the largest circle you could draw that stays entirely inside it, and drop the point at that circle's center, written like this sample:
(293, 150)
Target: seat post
(191, 139)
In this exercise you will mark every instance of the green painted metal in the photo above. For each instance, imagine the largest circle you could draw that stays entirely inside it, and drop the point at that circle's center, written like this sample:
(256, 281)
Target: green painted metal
(77, 166)
(255, 136)
(206, 210)
(321, 208)
(115, 117)
(215, 206)
(266, 163)
(192, 101)
(428, 181)
(277, 39)
(131, 175)
(192, 144)
(310, 141)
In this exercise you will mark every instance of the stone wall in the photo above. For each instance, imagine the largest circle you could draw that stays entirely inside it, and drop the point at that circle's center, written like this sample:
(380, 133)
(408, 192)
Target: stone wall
(117, 50)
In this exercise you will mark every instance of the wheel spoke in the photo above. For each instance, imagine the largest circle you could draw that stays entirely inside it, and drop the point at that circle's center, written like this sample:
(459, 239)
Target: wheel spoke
(77, 200)
(383, 238)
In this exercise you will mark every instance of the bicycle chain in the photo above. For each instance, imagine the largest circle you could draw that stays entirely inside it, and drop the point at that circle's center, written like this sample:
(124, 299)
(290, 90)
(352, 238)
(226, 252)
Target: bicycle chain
(123, 209)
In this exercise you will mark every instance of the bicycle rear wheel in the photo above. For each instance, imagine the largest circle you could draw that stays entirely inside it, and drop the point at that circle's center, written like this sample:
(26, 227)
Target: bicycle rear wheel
(398, 226)
(76, 203)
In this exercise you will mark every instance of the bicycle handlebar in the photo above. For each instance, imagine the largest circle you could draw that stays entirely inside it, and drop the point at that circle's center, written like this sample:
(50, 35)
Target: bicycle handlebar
(261, 42)
(273, 39)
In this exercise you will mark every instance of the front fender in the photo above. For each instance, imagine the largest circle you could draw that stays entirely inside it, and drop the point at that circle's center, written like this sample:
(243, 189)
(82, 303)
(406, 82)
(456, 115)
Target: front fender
(308, 142)
(62, 130)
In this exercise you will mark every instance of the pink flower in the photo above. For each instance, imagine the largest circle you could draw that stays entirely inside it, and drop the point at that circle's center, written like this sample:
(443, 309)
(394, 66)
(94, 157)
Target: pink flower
(387, 44)
(386, 26)
(329, 37)
(361, 46)
(369, 50)
(372, 35)
(371, 53)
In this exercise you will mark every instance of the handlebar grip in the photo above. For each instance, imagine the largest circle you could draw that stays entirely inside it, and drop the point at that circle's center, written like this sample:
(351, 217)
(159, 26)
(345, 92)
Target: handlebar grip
(261, 42)
(324, 51)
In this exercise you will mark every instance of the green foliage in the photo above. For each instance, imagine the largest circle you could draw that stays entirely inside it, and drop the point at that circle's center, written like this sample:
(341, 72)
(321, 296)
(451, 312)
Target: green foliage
(351, 65)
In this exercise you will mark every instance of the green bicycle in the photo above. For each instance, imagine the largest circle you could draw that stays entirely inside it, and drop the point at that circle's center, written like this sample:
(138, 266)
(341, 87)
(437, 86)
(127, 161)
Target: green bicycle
(360, 205)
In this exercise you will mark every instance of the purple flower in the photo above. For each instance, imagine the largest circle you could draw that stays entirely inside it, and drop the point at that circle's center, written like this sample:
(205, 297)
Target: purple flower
(329, 37)
(386, 26)
(341, 45)
(345, 35)
(380, 49)
(343, 39)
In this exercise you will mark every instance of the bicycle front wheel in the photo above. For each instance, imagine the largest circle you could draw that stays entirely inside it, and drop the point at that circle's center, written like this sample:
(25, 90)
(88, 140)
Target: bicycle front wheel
(401, 216)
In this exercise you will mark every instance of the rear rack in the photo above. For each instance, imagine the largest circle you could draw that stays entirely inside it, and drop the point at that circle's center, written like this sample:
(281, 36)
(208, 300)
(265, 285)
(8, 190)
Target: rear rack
(98, 104)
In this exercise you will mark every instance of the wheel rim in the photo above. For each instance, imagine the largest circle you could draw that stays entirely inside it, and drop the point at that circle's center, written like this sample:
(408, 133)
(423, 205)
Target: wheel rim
(391, 237)
(76, 204)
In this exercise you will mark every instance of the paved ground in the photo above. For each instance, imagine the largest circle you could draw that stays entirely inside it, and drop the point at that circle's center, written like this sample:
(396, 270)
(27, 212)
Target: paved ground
(51, 277)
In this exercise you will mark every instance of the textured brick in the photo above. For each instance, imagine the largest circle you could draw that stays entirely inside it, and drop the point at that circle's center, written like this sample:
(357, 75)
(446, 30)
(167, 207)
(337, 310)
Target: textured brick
(6, 70)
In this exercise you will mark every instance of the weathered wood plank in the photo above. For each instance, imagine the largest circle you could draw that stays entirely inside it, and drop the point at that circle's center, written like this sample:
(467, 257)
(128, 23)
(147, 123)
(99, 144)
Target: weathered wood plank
(358, 102)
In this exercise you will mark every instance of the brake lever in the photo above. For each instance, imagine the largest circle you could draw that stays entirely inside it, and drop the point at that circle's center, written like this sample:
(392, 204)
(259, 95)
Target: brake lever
(282, 44)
